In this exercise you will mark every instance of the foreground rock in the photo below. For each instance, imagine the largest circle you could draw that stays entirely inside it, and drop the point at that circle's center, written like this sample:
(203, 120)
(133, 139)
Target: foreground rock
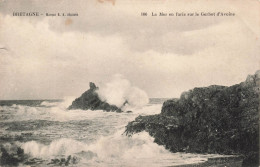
(214, 119)
(89, 100)
(12, 156)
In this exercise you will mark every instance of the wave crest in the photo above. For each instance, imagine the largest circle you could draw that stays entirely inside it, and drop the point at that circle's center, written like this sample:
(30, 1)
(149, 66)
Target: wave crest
(119, 90)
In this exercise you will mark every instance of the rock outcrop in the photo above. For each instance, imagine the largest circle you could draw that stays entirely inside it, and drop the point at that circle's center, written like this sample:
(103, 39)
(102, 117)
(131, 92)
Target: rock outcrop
(89, 100)
(214, 119)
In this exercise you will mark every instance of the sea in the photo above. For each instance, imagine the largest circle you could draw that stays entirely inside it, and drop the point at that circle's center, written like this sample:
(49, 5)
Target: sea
(51, 135)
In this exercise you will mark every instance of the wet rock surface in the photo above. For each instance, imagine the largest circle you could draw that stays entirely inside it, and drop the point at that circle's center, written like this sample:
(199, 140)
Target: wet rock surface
(64, 161)
(214, 119)
(11, 156)
(89, 100)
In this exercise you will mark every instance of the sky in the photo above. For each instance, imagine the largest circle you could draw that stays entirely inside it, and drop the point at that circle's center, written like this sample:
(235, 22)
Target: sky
(54, 57)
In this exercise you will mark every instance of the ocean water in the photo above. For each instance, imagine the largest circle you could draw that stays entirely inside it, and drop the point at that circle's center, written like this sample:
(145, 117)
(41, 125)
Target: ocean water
(51, 135)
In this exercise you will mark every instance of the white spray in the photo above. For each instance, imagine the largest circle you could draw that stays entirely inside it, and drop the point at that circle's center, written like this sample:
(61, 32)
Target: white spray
(119, 90)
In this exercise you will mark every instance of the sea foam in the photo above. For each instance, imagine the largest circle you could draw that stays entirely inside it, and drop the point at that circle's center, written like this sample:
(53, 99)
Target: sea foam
(119, 90)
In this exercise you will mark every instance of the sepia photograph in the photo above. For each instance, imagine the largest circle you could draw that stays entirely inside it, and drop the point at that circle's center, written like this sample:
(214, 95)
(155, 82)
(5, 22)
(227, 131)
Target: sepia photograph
(129, 83)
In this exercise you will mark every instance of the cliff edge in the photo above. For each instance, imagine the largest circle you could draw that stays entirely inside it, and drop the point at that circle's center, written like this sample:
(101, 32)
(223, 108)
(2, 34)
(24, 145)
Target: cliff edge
(214, 119)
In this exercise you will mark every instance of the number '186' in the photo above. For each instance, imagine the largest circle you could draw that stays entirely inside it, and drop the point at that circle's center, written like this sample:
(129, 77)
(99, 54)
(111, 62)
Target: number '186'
(144, 14)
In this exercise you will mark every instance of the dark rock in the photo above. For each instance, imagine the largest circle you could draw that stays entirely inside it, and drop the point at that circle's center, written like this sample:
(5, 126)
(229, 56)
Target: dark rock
(63, 161)
(89, 100)
(12, 157)
(129, 111)
(214, 119)
(34, 161)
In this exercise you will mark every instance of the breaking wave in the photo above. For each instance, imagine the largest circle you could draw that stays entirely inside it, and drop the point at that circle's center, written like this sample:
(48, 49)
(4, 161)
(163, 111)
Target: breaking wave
(114, 150)
(50, 132)
(119, 90)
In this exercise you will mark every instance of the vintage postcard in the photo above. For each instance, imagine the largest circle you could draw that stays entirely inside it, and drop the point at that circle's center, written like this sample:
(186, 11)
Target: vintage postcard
(129, 83)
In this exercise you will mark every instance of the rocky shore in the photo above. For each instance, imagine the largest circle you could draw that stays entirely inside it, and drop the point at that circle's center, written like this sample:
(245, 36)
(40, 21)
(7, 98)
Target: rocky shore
(89, 100)
(215, 119)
